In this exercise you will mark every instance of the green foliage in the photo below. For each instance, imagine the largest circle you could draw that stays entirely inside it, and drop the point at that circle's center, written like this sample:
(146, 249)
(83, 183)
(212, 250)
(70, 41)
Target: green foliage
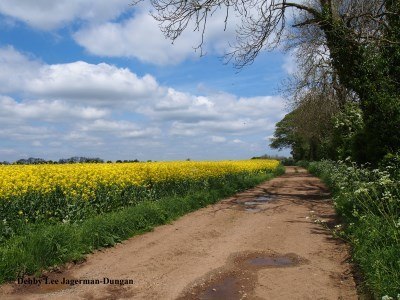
(370, 69)
(347, 124)
(391, 162)
(382, 126)
(38, 246)
(369, 205)
(286, 135)
(288, 161)
(303, 163)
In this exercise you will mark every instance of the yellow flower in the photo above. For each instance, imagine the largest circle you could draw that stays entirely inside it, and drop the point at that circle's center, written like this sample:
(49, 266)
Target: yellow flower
(80, 181)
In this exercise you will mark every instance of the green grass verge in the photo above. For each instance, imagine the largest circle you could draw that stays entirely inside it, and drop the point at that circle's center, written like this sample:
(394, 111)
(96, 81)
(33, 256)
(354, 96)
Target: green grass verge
(46, 245)
(368, 202)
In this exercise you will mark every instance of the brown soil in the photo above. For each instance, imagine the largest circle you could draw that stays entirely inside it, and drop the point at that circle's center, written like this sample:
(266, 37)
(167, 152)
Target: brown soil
(263, 243)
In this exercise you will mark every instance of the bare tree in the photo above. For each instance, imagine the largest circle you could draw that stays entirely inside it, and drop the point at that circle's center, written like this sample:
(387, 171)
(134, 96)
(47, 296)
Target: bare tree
(315, 75)
(263, 22)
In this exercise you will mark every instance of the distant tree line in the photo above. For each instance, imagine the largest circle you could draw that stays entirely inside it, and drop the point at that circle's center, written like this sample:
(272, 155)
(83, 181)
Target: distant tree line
(268, 156)
(80, 159)
(71, 160)
(126, 161)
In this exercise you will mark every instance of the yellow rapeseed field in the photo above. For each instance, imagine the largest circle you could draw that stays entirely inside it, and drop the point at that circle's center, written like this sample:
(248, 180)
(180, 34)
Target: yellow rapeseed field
(81, 180)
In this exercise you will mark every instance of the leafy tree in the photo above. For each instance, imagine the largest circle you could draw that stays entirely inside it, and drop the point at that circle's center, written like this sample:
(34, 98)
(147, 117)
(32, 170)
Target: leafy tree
(285, 136)
(30, 161)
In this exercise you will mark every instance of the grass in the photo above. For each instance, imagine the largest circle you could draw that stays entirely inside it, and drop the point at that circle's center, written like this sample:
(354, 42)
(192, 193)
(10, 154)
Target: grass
(41, 246)
(368, 202)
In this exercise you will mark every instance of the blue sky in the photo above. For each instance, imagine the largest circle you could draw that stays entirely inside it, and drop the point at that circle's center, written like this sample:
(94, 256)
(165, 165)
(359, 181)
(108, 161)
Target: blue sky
(97, 78)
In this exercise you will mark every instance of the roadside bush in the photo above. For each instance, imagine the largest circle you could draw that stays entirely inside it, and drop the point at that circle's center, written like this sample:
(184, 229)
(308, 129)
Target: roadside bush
(302, 163)
(391, 162)
(369, 203)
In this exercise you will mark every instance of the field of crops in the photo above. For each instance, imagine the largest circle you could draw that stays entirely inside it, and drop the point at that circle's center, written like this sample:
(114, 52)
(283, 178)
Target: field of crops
(80, 181)
(70, 193)
(51, 214)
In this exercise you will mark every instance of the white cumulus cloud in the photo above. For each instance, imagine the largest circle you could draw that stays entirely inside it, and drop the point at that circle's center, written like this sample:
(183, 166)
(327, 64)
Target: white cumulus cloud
(52, 111)
(81, 82)
(90, 83)
(51, 14)
(140, 37)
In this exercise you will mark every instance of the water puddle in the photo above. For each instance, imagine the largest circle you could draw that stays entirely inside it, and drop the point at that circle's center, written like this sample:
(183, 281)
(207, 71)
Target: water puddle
(270, 261)
(263, 198)
(262, 260)
(253, 204)
(228, 288)
(238, 278)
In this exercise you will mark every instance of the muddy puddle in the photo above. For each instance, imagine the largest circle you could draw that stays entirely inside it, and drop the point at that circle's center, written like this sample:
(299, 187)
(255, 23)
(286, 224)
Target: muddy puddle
(264, 198)
(228, 288)
(261, 260)
(271, 261)
(254, 204)
(230, 284)
(239, 277)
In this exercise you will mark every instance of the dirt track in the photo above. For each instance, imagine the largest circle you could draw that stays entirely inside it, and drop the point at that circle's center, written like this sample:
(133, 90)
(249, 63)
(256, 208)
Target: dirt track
(260, 244)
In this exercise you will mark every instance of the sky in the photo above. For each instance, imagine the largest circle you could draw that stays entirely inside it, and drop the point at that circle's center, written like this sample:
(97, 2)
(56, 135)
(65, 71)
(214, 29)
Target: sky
(97, 78)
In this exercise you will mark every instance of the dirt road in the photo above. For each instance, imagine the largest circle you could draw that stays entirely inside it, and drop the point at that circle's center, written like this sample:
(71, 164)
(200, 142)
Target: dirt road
(263, 243)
